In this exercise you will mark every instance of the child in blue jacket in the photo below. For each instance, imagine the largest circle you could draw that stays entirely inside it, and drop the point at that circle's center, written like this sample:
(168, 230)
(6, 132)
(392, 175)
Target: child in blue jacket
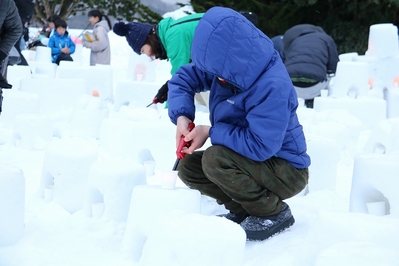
(60, 43)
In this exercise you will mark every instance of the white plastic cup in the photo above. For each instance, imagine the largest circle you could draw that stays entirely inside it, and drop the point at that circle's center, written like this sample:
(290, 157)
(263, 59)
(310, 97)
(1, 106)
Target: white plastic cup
(97, 209)
(168, 179)
(376, 208)
(149, 167)
(48, 193)
(139, 77)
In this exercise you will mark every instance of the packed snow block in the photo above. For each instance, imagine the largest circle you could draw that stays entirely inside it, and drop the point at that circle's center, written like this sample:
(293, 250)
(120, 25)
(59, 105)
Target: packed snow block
(383, 137)
(147, 205)
(137, 94)
(383, 41)
(45, 68)
(77, 56)
(16, 102)
(369, 110)
(15, 73)
(358, 239)
(325, 154)
(175, 243)
(43, 54)
(392, 98)
(375, 179)
(383, 74)
(113, 130)
(55, 95)
(140, 67)
(12, 204)
(111, 182)
(338, 125)
(29, 56)
(98, 78)
(32, 131)
(66, 165)
(351, 79)
(88, 114)
(348, 57)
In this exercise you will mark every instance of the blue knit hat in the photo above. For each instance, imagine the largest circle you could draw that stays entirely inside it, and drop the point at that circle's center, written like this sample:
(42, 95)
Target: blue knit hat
(136, 33)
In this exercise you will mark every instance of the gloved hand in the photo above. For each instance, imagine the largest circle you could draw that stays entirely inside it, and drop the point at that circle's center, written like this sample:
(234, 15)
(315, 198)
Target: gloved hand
(162, 94)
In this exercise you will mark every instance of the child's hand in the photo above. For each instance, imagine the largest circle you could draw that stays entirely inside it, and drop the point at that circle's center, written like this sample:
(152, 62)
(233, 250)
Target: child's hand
(65, 50)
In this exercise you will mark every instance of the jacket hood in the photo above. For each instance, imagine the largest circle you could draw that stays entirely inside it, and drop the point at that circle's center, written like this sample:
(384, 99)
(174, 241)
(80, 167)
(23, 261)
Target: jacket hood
(229, 46)
(299, 30)
(103, 23)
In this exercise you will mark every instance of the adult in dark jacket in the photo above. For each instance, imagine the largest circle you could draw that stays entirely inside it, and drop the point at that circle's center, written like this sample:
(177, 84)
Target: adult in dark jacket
(26, 9)
(311, 56)
(258, 155)
(10, 32)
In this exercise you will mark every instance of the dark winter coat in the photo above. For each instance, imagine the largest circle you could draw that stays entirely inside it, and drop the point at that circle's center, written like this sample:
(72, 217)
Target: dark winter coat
(26, 9)
(255, 114)
(309, 52)
(10, 25)
(10, 32)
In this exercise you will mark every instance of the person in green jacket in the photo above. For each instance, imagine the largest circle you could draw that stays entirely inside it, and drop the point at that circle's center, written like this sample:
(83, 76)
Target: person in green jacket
(169, 39)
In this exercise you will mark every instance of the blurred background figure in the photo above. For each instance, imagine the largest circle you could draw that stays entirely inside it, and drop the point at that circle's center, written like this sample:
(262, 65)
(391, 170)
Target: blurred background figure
(100, 47)
(251, 16)
(278, 45)
(26, 8)
(10, 32)
(61, 43)
(311, 58)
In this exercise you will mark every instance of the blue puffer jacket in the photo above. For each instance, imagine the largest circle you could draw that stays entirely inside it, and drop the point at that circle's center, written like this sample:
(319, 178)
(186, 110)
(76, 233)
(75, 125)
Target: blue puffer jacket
(257, 117)
(57, 42)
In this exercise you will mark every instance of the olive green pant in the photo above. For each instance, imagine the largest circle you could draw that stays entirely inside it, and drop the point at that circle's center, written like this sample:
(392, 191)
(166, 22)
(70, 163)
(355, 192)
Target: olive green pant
(242, 185)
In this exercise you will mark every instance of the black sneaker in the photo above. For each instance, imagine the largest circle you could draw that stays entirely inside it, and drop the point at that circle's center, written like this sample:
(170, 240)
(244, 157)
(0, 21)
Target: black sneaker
(262, 227)
(237, 218)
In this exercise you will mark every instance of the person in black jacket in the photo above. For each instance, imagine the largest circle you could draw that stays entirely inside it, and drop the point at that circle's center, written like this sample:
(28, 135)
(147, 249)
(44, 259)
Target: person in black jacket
(311, 58)
(10, 32)
(26, 9)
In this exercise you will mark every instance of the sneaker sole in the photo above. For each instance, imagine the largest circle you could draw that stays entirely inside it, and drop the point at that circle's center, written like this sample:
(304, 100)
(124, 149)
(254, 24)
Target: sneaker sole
(263, 235)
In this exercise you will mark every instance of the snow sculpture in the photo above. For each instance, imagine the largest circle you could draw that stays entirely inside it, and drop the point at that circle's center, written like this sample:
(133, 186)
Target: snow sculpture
(66, 166)
(15, 73)
(32, 131)
(369, 110)
(385, 136)
(148, 203)
(325, 153)
(175, 243)
(55, 95)
(88, 114)
(12, 204)
(375, 179)
(137, 94)
(16, 102)
(351, 80)
(43, 54)
(99, 77)
(140, 68)
(46, 68)
(111, 183)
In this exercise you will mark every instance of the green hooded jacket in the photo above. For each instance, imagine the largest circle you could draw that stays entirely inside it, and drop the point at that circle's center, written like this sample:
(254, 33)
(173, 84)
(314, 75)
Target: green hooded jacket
(177, 37)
